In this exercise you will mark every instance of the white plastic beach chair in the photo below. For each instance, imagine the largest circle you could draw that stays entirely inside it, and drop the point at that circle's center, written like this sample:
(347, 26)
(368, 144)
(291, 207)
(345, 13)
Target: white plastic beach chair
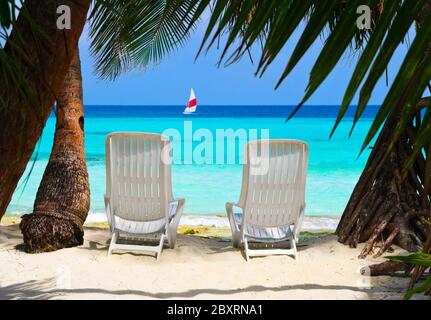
(272, 196)
(138, 199)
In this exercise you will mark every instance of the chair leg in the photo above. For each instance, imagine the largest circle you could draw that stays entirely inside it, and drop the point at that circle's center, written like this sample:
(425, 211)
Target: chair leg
(236, 240)
(113, 242)
(160, 247)
(293, 246)
(171, 229)
(246, 250)
(172, 237)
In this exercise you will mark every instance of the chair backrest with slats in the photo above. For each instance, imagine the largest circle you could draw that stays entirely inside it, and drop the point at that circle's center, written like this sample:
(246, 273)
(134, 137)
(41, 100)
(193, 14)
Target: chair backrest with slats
(138, 175)
(273, 187)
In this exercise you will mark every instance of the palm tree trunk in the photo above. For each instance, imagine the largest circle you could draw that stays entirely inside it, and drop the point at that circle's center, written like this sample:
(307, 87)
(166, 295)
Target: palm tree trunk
(63, 199)
(51, 52)
(387, 207)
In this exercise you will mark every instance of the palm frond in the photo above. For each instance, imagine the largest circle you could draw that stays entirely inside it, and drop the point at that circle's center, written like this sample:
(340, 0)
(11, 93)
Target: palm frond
(5, 14)
(128, 34)
(419, 259)
(335, 21)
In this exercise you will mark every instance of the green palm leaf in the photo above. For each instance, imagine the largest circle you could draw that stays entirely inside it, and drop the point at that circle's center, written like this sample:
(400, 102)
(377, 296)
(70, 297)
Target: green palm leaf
(420, 289)
(319, 18)
(336, 44)
(274, 22)
(419, 259)
(367, 58)
(282, 29)
(409, 85)
(5, 14)
(396, 34)
(127, 34)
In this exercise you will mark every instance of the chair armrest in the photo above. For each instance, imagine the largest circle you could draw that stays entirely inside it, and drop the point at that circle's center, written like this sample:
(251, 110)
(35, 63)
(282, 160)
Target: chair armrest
(109, 214)
(230, 214)
(179, 200)
(303, 208)
(231, 204)
(298, 226)
(178, 212)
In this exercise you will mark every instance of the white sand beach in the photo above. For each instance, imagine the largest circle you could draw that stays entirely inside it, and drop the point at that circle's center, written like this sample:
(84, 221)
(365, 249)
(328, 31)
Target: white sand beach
(198, 268)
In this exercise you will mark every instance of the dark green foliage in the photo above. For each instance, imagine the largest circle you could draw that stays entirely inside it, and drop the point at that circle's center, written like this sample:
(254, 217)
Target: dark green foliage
(5, 13)
(272, 23)
(419, 259)
(127, 34)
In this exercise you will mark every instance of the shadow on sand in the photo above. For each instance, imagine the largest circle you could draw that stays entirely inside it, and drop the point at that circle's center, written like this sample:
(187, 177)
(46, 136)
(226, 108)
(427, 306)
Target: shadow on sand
(46, 289)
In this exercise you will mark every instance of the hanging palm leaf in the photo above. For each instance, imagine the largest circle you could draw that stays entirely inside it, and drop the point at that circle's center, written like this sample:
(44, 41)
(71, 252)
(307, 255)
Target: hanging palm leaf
(243, 21)
(128, 34)
(6, 14)
(422, 260)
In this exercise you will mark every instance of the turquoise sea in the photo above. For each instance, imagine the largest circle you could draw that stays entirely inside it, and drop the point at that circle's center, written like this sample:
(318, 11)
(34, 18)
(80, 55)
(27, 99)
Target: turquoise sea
(334, 166)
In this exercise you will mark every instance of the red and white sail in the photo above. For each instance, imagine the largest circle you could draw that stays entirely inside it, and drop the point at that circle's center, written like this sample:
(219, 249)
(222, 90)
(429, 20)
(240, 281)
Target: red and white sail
(192, 104)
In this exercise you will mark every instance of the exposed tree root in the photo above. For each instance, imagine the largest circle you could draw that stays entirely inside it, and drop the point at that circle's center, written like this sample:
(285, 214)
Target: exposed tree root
(387, 268)
(390, 206)
(45, 233)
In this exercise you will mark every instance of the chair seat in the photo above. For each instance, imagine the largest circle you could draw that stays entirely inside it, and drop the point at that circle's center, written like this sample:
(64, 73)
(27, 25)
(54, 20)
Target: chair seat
(139, 227)
(144, 227)
(269, 234)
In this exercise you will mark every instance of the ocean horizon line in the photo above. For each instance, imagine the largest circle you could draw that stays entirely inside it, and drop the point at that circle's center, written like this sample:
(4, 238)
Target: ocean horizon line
(222, 111)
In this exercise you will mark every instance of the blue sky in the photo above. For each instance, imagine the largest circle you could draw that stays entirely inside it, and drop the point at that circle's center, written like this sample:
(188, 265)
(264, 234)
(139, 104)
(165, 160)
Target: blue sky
(169, 82)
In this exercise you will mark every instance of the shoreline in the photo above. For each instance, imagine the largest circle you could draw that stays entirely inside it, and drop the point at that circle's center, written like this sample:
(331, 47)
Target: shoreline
(209, 225)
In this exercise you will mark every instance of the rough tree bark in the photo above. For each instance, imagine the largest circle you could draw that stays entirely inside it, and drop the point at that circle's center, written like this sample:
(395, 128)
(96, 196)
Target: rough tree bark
(63, 199)
(21, 124)
(386, 208)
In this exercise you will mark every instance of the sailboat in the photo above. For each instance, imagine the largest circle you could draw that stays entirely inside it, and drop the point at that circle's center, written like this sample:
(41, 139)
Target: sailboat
(192, 104)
